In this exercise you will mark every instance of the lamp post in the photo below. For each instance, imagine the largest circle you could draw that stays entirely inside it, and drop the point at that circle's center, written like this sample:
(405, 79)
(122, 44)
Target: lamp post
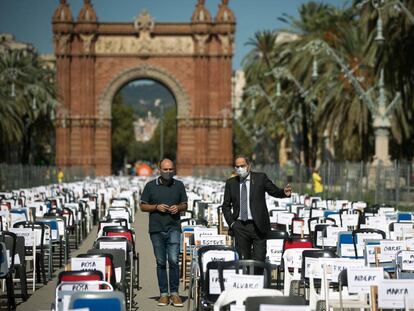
(156, 104)
(256, 90)
(378, 107)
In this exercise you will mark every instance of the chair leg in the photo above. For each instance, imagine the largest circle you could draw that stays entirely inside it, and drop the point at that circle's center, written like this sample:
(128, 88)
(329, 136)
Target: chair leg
(60, 252)
(10, 292)
(21, 269)
(42, 267)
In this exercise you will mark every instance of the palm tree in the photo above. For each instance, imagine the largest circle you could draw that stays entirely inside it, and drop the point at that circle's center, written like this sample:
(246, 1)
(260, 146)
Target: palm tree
(27, 101)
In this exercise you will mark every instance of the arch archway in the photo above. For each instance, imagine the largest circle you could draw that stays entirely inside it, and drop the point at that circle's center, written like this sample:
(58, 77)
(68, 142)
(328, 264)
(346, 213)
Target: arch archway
(94, 59)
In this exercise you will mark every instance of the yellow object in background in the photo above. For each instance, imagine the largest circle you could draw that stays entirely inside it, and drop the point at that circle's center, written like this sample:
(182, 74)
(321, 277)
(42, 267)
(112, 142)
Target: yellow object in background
(317, 182)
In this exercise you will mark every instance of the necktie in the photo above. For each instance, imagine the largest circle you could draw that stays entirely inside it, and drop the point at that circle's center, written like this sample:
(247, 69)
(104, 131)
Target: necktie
(243, 202)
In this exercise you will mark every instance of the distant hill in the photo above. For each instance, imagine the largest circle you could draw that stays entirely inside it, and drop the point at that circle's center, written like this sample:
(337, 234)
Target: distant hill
(142, 95)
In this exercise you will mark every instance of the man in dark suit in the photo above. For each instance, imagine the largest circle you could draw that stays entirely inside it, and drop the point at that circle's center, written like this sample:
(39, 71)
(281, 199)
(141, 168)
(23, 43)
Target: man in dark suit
(244, 208)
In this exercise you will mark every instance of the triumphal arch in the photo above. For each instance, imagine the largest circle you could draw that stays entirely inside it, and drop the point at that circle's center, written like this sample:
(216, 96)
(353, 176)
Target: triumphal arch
(95, 59)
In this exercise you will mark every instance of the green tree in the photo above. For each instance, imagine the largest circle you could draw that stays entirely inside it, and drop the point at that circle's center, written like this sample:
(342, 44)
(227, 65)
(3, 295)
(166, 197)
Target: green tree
(27, 102)
(123, 138)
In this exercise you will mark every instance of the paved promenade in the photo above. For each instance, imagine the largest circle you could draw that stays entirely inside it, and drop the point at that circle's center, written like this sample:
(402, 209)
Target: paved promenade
(145, 299)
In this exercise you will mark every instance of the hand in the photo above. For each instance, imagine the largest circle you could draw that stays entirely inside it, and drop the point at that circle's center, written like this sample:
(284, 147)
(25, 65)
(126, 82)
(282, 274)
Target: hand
(174, 209)
(288, 190)
(163, 208)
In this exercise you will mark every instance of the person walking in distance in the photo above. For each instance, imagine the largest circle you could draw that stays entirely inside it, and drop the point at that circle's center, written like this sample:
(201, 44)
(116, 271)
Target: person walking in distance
(164, 198)
(244, 208)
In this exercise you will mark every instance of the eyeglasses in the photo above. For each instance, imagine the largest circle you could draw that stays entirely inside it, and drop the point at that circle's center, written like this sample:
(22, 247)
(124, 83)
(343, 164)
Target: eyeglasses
(240, 166)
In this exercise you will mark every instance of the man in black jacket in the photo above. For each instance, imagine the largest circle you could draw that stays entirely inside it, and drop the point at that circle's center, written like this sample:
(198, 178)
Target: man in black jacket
(244, 208)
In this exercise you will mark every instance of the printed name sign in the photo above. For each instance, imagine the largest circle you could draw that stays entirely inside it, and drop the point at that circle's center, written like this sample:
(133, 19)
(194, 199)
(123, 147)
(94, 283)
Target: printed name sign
(243, 281)
(80, 286)
(88, 264)
(285, 218)
(391, 293)
(293, 257)
(390, 248)
(331, 238)
(339, 264)
(219, 239)
(407, 261)
(217, 256)
(403, 230)
(201, 231)
(29, 236)
(361, 279)
(215, 281)
(274, 249)
(350, 220)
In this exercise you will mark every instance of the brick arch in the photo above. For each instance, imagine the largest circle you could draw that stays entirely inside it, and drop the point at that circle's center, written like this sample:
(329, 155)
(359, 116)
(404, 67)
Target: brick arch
(95, 59)
(144, 72)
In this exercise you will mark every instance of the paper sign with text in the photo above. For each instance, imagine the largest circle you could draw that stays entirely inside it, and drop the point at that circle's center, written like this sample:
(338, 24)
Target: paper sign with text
(88, 264)
(274, 249)
(246, 282)
(391, 293)
(214, 255)
(214, 280)
(361, 279)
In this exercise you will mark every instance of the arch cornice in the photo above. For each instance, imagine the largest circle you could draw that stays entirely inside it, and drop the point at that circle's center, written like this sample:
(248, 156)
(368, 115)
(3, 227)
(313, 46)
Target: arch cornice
(144, 72)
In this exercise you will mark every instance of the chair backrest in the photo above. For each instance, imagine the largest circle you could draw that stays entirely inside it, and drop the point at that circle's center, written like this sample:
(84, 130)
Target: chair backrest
(109, 265)
(76, 276)
(205, 254)
(366, 233)
(274, 246)
(254, 303)
(109, 242)
(312, 254)
(246, 266)
(10, 240)
(351, 218)
(118, 231)
(4, 260)
(118, 256)
(297, 242)
(114, 301)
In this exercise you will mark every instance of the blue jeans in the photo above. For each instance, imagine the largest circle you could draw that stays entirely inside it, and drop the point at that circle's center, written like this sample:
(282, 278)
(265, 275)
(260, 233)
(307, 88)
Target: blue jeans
(166, 246)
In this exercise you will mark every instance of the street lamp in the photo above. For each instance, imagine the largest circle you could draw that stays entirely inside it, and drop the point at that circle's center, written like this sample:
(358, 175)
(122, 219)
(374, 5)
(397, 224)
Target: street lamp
(378, 107)
(397, 6)
(156, 104)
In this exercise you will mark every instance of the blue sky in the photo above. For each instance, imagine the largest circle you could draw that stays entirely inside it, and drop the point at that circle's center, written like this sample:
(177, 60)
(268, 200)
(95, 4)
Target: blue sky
(30, 20)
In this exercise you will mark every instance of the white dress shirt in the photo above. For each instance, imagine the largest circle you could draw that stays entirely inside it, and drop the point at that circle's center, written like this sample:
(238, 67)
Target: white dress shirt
(247, 181)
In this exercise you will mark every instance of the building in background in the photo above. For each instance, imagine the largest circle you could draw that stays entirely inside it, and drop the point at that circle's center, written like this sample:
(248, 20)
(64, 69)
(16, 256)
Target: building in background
(144, 128)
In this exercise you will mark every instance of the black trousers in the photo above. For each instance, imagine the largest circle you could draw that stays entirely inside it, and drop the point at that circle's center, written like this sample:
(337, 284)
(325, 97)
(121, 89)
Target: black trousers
(250, 242)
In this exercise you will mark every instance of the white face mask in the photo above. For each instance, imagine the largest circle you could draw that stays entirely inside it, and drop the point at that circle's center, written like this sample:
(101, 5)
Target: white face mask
(242, 171)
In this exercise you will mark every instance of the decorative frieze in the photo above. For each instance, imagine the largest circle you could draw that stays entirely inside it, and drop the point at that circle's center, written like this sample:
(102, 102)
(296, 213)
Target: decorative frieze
(178, 45)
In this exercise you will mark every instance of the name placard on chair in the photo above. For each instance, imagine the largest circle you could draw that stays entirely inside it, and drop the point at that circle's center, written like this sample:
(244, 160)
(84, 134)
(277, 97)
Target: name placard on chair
(390, 248)
(200, 232)
(274, 249)
(29, 235)
(391, 293)
(407, 263)
(214, 281)
(89, 264)
(361, 279)
(217, 256)
(219, 239)
(244, 281)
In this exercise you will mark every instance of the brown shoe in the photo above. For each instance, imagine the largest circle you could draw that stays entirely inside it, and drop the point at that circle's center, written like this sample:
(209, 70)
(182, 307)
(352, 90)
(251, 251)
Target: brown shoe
(164, 301)
(176, 301)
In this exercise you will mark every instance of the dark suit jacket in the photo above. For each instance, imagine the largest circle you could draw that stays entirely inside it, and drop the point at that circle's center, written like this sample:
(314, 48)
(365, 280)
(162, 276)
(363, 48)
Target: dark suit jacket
(259, 184)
